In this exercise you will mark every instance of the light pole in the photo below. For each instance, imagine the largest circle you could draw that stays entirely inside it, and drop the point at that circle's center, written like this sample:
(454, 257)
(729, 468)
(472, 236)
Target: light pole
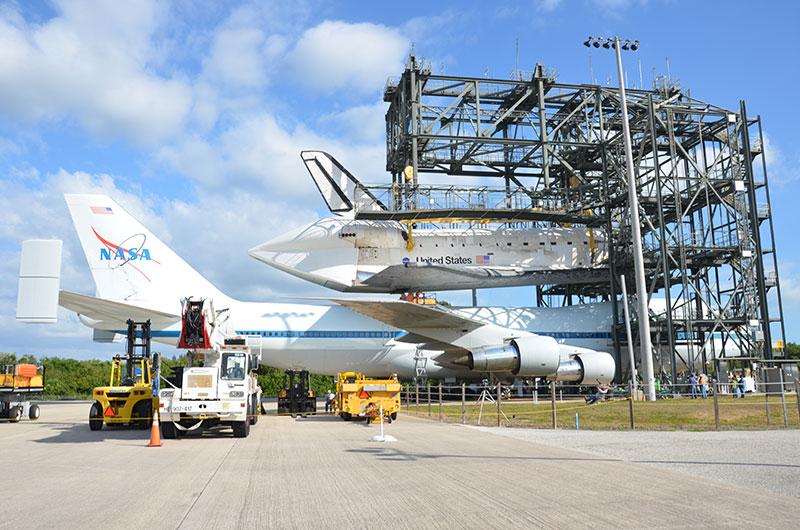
(636, 234)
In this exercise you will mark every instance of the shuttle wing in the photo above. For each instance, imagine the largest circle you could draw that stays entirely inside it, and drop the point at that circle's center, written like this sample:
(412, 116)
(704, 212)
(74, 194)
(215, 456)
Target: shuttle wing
(427, 276)
(107, 310)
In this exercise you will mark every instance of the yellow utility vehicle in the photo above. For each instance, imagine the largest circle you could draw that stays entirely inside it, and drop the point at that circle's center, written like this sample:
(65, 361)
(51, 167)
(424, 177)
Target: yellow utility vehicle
(129, 398)
(359, 397)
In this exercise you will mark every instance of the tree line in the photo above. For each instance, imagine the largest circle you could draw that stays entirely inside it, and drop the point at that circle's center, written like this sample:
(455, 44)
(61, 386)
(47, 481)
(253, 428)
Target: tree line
(71, 378)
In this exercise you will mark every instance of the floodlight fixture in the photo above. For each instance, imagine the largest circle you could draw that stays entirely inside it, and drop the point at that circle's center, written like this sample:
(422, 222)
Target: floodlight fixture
(635, 45)
(588, 43)
(606, 45)
(596, 44)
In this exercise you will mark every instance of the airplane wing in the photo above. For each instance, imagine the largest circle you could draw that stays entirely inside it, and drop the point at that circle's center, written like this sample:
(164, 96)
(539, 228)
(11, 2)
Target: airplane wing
(107, 310)
(415, 318)
(431, 327)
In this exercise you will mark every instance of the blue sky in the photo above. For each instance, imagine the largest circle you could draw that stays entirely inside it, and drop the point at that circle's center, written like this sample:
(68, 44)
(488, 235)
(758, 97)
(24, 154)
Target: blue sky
(175, 108)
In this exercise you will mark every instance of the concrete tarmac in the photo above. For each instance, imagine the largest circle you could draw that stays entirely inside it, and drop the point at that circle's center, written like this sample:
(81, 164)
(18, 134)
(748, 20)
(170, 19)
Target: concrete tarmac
(322, 472)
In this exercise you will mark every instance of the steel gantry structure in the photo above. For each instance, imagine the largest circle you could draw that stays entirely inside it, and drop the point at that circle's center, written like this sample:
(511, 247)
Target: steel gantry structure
(550, 153)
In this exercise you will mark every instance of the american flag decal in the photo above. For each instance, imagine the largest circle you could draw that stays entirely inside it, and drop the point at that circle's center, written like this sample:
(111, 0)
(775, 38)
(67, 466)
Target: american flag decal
(102, 210)
(482, 259)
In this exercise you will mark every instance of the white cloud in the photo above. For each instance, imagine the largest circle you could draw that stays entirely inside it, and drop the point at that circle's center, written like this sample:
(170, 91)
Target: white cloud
(337, 54)
(91, 63)
(790, 285)
(363, 123)
(236, 58)
(257, 155)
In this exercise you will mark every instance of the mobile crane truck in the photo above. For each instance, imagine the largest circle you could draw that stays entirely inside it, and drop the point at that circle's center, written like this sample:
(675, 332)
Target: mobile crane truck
(223, 390)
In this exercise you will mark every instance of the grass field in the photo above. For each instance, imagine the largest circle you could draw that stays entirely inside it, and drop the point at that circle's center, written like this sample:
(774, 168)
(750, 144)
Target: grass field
(664, 414)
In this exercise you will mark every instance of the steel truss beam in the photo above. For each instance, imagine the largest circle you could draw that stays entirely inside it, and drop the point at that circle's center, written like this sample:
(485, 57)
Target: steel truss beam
(558, 148)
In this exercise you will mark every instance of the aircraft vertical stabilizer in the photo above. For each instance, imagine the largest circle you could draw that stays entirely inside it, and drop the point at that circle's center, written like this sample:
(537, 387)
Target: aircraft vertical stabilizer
(342, 192)
(127, 261)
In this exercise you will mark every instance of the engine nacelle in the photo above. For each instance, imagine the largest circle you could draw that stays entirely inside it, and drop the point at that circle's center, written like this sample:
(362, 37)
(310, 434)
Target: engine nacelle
(529, 356)
(588, 367)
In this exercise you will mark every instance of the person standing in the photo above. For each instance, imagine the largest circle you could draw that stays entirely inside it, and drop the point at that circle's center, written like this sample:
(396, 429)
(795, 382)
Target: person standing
(693, 386)
(703, 386)
(740, 381)
(329, 397)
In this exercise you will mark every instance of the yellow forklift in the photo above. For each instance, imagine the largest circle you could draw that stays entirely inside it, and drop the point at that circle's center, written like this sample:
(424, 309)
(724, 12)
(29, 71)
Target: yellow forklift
(129, 398)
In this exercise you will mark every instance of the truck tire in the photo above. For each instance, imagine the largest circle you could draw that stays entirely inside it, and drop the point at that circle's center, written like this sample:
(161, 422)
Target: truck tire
(14, 414)
(96, 416)
(253, 415)
(34, 412)
(393, 416)
(346, 416)
(168, 430)
(241, 429)
(142, 414)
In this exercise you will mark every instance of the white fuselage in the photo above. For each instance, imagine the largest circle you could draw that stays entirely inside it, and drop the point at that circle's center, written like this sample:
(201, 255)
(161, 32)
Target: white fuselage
(326, 339)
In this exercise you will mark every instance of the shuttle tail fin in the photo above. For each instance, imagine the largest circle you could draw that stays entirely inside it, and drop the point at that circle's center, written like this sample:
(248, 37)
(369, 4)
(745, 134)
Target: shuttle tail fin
(127, 261)
(340, 190)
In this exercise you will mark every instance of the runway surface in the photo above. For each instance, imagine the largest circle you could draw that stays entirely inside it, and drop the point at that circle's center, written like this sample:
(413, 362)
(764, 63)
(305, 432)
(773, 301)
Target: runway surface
(322, 472)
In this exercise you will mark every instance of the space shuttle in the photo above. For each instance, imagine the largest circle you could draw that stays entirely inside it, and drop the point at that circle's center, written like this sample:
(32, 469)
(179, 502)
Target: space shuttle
(374, 256)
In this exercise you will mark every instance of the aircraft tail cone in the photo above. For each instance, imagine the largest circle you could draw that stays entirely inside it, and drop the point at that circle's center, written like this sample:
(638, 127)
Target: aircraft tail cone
(155, 432)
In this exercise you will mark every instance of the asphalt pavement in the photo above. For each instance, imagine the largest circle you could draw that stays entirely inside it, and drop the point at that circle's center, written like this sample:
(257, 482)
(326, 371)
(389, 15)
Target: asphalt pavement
(322, 472)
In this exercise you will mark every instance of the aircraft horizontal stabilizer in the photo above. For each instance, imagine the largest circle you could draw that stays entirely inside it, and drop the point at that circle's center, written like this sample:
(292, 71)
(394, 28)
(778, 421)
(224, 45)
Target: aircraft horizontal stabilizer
(108, 311)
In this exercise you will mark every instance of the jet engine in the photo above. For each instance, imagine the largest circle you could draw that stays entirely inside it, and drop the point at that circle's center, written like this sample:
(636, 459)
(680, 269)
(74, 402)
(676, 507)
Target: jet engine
(539, 356)
(588, 367)
(530, 356)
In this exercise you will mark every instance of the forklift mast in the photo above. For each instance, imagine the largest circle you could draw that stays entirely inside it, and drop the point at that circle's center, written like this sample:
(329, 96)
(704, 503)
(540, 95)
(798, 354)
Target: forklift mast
(138, 347)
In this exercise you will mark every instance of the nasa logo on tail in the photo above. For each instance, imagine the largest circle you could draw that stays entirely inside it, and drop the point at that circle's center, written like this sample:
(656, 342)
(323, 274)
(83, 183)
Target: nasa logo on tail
(131, 249)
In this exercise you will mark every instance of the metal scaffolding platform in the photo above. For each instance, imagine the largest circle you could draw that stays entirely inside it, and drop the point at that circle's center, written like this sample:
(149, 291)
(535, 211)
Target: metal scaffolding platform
(551, 153)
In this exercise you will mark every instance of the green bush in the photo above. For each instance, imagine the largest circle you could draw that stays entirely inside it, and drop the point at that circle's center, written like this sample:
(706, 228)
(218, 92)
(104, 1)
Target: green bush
(73, 378)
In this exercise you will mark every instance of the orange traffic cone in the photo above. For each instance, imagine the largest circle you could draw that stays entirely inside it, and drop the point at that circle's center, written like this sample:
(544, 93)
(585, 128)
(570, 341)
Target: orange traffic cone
(155, 432)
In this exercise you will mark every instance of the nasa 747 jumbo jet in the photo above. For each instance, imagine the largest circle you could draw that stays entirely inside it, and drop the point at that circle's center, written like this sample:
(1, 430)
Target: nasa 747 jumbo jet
(138, 277)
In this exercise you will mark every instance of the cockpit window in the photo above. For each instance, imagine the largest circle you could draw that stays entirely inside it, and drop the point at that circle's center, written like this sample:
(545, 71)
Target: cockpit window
(233, 365)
